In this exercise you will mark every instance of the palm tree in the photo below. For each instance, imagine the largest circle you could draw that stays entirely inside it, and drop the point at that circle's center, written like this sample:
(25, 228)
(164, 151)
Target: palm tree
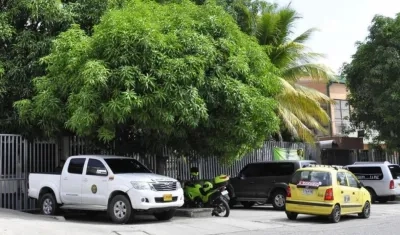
(299, 107)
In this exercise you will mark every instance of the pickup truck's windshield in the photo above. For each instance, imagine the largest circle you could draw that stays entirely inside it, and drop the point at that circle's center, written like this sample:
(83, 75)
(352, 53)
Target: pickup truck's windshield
(124, 166)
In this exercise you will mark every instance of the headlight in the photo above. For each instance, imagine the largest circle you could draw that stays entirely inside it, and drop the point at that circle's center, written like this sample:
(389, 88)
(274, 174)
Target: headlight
(178, 185)
(142, 185)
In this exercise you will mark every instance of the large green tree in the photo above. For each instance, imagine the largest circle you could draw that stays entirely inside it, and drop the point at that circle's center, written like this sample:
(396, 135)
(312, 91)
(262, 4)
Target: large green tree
(27, 29)
(373, 79)
(299, 107)
(180, 74)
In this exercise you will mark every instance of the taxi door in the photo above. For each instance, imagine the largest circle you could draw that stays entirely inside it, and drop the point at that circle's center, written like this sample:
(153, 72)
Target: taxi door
(356, 200)
(345, 192)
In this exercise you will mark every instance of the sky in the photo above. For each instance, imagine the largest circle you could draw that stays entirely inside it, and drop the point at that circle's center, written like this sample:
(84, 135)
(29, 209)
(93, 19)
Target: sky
(341, 24)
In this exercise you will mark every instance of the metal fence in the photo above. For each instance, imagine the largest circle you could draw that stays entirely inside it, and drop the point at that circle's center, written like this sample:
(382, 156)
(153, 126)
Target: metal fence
(179, 166)
(377, 155)
(18, 158)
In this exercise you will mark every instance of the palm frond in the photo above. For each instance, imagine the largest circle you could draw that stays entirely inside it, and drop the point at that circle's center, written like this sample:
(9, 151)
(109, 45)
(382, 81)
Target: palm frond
(287, 17)
(266, 29)
(287, 88)
(295, 126)
(305, 36)
(316, 72)
(308, 119)
(285, 54)
(301, 104)
(313, 94)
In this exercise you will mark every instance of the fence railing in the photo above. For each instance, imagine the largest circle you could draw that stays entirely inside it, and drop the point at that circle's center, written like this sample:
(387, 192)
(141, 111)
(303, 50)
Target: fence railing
(375, 155)
(18, 158)
(209, 167)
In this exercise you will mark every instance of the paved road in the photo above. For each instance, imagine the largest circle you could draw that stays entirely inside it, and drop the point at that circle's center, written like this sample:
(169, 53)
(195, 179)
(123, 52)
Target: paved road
(256, 221)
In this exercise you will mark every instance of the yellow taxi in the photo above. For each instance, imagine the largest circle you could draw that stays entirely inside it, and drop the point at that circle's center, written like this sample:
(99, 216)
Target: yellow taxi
(326, 191)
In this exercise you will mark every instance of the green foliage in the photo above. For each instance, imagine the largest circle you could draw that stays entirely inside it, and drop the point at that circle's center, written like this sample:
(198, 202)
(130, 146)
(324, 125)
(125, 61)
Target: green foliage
(374, 82)
(27, 28)
(180, 74)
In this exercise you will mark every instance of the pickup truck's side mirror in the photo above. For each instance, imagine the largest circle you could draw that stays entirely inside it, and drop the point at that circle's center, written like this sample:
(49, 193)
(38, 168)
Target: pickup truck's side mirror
(101, 172)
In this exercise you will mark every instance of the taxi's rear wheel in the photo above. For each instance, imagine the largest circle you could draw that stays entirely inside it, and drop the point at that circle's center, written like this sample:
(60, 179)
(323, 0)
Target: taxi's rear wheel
(366, 211)
(334, 217)
(291, 215)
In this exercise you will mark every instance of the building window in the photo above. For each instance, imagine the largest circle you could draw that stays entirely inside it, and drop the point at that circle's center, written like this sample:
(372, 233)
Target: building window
(342, 116)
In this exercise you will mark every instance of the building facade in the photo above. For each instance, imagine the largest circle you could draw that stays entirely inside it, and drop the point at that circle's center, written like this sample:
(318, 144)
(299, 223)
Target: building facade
(341, 145)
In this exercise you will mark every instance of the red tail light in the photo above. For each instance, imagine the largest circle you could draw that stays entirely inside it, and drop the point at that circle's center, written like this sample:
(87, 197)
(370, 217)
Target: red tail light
(329, 194)
(289, 192)
(391, 185)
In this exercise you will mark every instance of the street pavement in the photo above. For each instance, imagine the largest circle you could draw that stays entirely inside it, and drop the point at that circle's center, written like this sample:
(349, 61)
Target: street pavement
(256, 221)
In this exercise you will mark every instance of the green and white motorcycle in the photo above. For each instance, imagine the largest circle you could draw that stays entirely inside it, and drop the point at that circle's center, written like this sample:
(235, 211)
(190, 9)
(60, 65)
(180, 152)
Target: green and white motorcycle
(206, 194)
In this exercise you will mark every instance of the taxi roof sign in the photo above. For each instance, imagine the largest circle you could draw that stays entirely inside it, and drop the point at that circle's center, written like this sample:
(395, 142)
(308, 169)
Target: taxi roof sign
(336, 167)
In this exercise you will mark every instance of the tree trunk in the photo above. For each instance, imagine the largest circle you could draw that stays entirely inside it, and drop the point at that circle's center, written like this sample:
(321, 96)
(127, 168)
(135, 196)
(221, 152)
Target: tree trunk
(280, 137)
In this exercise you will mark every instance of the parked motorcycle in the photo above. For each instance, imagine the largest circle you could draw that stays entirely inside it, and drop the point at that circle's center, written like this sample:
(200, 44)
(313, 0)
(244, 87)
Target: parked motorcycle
(201, 194)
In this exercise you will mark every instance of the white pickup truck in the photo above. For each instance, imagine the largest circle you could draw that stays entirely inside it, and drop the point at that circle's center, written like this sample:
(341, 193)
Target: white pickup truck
(119, 185)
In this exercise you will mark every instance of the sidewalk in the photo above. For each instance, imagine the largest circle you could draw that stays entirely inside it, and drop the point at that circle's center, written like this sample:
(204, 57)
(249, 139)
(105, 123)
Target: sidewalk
(18, 223)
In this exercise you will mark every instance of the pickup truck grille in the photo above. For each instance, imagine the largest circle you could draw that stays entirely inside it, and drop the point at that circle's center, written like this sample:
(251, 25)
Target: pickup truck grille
(165, 186)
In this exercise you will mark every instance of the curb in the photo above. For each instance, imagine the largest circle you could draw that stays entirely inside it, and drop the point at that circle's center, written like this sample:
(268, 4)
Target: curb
(194, 212)
(31, 214)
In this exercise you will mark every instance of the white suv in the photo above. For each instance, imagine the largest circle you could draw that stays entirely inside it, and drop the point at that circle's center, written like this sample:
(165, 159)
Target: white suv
(381, 179)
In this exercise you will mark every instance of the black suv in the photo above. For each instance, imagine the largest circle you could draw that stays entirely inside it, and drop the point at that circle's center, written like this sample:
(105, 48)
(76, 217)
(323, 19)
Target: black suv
(264, 182)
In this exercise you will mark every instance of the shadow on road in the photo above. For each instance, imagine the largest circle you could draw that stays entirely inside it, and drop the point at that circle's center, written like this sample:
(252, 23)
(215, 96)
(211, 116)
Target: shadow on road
(256, 208)
(386, 203)
(316, 219)
(104, 219)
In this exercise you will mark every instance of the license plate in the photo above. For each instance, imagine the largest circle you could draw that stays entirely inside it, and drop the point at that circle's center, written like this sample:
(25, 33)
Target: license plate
(167, 197)
(308, 191)
(224, 192)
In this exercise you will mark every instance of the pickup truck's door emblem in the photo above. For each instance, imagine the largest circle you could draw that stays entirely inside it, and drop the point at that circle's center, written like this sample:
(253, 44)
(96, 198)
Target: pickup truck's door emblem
(94, 189)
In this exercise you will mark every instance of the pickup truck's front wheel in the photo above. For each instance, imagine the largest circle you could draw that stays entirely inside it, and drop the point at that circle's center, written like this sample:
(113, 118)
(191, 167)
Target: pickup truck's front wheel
(120, 210)
(48, 204)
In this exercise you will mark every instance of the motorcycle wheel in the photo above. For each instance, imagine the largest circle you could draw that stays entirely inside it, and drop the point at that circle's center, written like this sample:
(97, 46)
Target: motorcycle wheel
(220, 207)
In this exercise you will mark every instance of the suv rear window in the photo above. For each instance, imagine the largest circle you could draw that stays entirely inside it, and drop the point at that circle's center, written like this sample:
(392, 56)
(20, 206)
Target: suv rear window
(268, 169)
(395, 171)
(308, 177)
(366, 172)
(281, 169)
